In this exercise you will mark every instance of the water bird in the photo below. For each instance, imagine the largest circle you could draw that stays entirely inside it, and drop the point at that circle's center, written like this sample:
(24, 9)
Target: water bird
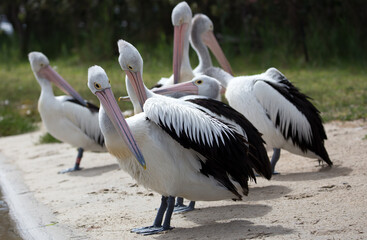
(68, 118)
(284, 115)
(213, 144)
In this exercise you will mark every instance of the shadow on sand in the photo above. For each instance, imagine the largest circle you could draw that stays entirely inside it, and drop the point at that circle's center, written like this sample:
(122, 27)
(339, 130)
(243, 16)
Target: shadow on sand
(228, 212)
(267, 193)
(232, 229)
(95, 171)
(322, 173)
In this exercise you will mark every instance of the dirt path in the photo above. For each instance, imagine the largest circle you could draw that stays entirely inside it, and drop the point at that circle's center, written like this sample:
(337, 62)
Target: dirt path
(304, 202)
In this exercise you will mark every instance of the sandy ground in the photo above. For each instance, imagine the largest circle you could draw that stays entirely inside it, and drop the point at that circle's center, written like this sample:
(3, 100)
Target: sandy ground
(102, 202)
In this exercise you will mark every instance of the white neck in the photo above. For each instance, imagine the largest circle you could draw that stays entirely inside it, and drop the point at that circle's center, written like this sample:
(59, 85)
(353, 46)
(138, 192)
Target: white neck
(134, 98)
(186, 70)
(46, 88)
(202, 51)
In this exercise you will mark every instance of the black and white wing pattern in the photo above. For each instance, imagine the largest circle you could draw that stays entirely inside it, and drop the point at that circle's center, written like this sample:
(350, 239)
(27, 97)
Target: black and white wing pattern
(85, 118)
(224, 149)
(292, 113)
(256, 150)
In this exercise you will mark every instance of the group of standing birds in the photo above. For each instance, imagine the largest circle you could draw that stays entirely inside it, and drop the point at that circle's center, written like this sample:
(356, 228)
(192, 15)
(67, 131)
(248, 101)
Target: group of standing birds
(187, 144)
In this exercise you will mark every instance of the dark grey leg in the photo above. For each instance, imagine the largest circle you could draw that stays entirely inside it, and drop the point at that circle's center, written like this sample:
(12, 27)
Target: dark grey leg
(77, 162)
(167, 205)
(274, 159)
(179, 202)
(180, 207)
(167, 219)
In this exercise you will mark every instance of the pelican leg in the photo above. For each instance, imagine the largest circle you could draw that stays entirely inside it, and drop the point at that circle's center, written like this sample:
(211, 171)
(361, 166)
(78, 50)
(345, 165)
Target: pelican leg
(77, 163)
(180, 207)
(167, 205)
(274, 159)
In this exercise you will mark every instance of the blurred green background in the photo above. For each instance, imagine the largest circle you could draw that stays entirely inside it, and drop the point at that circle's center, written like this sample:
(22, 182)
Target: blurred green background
(320, 46)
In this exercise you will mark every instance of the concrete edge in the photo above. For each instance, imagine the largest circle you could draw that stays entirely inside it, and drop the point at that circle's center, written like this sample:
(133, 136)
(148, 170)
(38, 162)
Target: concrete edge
(33, 219)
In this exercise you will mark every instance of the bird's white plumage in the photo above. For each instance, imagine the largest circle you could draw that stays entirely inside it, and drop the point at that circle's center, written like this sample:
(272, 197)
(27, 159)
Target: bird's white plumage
(277, 104)
(194, 141)
(67, 121)
(260, 103)
(172, 170)
(185, 116)
(70, 122)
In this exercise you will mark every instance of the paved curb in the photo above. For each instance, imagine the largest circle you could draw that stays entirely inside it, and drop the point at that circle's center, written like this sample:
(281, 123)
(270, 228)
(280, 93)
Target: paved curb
(33, 219)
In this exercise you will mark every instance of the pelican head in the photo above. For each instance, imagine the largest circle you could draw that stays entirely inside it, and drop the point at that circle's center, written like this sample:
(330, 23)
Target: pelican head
(181, 21)
(200, 85)
(202, 30)
(100, 86)
(44, 72)
(132, 63)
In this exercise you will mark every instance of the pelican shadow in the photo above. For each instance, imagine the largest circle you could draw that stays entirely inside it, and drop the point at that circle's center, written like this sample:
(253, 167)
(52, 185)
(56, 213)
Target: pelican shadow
(209, 215)
(267, 192)
(95, 171)
(322, 173)
(233, 229)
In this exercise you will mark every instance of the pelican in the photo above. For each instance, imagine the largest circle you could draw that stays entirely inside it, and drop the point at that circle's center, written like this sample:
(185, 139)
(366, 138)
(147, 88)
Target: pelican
(181, 20)
(69, 119)
(202, 36)
(201, 32)
(191, 148)
(284, 115)
(200, 85)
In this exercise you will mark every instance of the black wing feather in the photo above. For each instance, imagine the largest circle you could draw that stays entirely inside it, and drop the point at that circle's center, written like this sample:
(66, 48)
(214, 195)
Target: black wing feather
(301, 102)
(93, 108)
(257, 154)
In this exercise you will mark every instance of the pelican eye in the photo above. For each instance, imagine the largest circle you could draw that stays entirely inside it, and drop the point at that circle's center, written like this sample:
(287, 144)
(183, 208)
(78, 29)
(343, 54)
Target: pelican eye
(211, 27)
(42, 65)
(199, 81)
(130, 67)
(97, 86)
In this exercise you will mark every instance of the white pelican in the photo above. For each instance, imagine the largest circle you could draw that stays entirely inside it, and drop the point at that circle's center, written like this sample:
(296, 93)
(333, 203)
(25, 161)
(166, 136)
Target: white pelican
(202, 31)
(181, 20)
(200, 85)
(202, 36)
(192, 148)
(284, 115)
(69, 119)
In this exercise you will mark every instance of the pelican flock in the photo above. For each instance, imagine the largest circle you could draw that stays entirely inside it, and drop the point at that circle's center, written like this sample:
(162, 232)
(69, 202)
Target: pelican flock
(183, 141)
(190, 149)
(68, 118)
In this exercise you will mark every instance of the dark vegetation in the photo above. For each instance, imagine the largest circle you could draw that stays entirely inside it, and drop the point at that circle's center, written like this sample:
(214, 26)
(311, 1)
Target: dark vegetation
(319, 45)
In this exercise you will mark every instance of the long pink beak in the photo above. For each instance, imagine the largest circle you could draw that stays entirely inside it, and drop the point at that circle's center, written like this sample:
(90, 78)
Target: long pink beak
(210, 40)
(185, 87)
(50, 74)
(136, 81)
(178, 44)
(113, 111)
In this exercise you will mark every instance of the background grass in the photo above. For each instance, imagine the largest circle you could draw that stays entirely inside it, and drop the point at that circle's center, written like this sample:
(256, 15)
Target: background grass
(339, 91)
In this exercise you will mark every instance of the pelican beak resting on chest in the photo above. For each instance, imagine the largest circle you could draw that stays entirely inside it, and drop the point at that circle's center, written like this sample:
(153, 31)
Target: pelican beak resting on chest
(99, 84)
(178, 45)
(50, 74)
(43, 71)
(136, 81)
(181, 20)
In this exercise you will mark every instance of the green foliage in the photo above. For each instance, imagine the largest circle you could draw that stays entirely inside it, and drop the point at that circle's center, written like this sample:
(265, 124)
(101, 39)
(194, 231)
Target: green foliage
(48, 138)
(318, 32)
(339, 92)
(14, 122)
